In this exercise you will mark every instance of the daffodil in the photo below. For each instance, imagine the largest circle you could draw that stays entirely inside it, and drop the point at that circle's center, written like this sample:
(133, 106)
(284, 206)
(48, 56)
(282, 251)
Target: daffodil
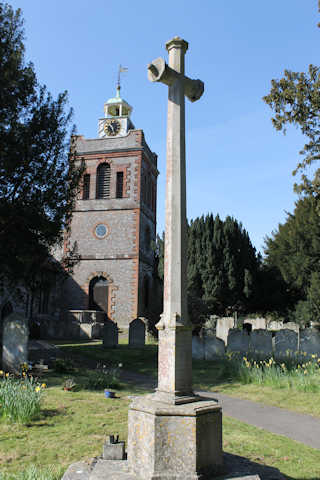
(37, 389)
(43, 385)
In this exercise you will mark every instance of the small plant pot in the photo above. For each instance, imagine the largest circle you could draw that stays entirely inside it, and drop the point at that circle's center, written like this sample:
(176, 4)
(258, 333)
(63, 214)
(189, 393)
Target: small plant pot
(109, 394)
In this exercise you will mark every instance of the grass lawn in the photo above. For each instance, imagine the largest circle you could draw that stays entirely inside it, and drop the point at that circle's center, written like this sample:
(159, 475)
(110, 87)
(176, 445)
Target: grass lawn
(207, 375)
(73, 425)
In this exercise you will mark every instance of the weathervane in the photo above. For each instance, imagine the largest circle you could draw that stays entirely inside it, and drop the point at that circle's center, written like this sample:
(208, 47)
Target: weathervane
(121, 70)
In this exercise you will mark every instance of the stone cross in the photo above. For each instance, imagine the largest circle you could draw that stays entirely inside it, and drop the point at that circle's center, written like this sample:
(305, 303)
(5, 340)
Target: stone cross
(175, 335)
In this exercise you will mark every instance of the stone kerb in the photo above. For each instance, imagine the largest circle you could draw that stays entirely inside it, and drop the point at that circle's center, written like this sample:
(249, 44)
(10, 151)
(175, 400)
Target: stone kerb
(310, 341)
(137, 332)
(261, 342)
(238, 341)
(285, 343)
(15, 342)
(110, 334)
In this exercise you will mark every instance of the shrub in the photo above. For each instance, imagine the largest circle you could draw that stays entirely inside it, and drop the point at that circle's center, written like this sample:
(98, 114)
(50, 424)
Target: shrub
(103, 377)
(20, 398)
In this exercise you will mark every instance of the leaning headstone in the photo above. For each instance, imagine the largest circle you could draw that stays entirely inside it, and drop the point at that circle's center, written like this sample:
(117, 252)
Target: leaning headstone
(15, 342)
(110, 334)
(213, 348)
(238, 341)
(310, 342)
(261, 342)
(137, 332)
(197, 348)
(285, 343)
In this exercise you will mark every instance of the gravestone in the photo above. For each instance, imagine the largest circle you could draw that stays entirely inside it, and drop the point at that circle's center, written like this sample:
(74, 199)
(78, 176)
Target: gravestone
(110, 334)
(137, 333)
(197, 347)
(292, 326)
(285, 343)
(261, 342)
(15, 342)
(238, 341)
(213, 348)
(309, 342)
(223, 326)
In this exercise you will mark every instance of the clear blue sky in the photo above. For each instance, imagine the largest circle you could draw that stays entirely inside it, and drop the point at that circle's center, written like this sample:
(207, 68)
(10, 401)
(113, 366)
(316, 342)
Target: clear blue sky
(237, 164)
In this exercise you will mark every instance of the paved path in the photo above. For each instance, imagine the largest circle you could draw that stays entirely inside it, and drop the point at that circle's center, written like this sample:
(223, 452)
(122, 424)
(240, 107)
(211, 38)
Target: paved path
(297, 426)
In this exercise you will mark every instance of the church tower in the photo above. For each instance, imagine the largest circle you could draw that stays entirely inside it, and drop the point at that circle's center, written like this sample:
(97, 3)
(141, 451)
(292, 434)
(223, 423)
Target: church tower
(114, 220)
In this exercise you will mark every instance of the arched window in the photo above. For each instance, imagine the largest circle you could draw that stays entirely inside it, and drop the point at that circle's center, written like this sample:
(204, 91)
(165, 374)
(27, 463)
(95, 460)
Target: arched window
(99, 294)
(103, 181)
(86, 187)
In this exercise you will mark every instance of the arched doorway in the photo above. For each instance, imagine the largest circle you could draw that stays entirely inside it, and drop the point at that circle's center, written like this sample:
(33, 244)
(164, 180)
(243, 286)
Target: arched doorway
(99, 294)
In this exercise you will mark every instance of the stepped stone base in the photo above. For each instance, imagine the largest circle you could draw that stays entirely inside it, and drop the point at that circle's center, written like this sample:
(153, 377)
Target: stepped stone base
(119, 470)
(174, 441)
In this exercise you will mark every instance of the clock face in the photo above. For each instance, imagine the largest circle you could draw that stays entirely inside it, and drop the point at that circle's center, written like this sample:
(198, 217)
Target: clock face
(112, 127)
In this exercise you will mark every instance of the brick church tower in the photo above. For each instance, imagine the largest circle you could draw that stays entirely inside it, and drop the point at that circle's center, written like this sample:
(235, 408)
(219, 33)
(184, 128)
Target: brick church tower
(114, 220)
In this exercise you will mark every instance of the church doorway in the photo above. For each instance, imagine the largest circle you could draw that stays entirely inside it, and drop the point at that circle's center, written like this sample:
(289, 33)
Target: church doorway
(99, 294)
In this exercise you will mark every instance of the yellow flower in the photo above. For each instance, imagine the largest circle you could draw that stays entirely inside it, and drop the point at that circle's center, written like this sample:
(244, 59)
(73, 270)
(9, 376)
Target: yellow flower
(1, 371)
(43, 385)
(305, 372)
(7, 374)
(38, 389)
(24, 374)
(313, 356)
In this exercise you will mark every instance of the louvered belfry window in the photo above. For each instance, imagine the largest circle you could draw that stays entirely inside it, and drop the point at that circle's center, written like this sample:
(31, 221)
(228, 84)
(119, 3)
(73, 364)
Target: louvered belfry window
(103, 180)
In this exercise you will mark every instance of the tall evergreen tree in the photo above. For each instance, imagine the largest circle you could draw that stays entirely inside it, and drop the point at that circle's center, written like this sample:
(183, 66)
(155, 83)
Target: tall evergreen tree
(38, 177)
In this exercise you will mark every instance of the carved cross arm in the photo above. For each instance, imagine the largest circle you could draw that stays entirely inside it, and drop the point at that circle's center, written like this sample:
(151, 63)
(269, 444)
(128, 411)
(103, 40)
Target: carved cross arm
(159, 71)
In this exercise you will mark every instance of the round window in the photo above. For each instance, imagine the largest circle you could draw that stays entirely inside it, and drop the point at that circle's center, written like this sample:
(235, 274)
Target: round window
(101, 230)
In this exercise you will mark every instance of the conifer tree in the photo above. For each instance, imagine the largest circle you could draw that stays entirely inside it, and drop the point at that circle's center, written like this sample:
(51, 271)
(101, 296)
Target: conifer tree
(38, 177)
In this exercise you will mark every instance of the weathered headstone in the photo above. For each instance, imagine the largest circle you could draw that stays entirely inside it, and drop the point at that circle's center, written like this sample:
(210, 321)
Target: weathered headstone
(309, 342)
(15, 342)
(137, 333)
(261, 342)
(238, 341)
(110, 334)
(223, 326)
(197, 348)
(285, 343)
(213, 348)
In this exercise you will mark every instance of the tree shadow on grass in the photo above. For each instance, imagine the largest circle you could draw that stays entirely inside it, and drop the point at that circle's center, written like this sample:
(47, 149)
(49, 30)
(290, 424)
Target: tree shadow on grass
(237, 466)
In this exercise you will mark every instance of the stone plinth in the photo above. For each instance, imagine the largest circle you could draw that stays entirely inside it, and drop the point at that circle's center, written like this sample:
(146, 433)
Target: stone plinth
(174, 441)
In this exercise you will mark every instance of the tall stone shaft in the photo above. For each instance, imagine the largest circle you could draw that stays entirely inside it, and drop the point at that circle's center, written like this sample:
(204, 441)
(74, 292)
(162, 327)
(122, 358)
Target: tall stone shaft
(175, 268)
(175, 355)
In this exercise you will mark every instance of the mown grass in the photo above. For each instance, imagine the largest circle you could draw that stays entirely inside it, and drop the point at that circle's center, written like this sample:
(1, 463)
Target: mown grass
(73, 425)
(214, 375)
